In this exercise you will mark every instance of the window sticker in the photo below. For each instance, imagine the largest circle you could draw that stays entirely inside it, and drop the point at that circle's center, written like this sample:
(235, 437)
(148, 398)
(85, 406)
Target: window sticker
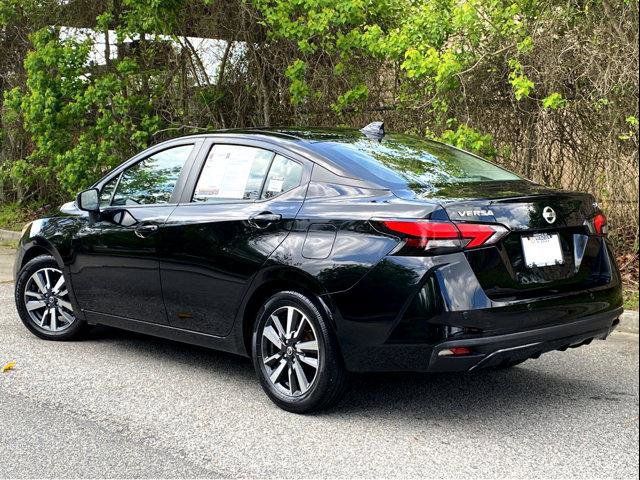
(232, 172)
(275, 185)
(284, 175)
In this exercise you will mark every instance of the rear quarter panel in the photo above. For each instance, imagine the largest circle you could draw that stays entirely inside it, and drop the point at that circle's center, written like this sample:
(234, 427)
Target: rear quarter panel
(332, 240)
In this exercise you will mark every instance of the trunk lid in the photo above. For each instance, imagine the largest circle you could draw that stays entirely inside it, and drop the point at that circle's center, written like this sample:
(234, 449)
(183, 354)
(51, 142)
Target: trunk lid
(529, 211)
(520, 209)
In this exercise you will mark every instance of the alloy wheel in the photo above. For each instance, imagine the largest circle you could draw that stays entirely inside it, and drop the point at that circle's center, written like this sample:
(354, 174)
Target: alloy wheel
(46, 299)
(290, 351)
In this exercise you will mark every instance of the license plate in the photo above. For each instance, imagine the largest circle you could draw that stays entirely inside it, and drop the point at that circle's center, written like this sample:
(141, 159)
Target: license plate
(542, 250)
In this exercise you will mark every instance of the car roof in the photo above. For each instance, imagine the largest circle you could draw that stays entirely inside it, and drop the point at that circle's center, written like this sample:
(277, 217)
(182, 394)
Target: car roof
(296, 134)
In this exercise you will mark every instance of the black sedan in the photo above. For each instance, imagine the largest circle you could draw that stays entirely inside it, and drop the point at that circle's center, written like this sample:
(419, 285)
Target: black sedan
(322, 252)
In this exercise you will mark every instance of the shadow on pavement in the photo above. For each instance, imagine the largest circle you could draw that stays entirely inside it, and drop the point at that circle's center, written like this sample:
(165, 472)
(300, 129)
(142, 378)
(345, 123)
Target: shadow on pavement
(534, 388)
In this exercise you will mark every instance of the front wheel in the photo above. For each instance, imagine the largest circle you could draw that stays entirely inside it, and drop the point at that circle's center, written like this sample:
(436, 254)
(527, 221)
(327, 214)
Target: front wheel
(296, 355)
(42, 300)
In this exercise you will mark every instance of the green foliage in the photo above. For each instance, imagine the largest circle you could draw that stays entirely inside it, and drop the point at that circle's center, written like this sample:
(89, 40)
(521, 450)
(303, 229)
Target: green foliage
(631, 300)
(350, 97)
(632, 131)
(11, 216)
(479, 74)
(14, 10)
(431, 41)
(150, 16)
(81, 124)
(554, 101)
(525, 45)
(14, 215)
(346, 30)
(466, 138)
(298, 88)
(522, 85)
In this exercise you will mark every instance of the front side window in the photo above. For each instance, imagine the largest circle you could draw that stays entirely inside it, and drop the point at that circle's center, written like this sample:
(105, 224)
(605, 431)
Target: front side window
(232, 172)
(284, 175)
(152, 180)
(107, 191)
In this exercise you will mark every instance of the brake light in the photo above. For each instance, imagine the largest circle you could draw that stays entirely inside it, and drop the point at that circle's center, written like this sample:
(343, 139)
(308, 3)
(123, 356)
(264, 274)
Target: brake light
(426, 234)
(600, 224)
(429, 235)
(479, 234)
(597, 225)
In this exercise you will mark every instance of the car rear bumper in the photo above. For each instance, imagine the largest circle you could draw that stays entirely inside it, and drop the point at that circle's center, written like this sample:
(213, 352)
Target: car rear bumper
(407, 310)
(496, 350)
(486, 351)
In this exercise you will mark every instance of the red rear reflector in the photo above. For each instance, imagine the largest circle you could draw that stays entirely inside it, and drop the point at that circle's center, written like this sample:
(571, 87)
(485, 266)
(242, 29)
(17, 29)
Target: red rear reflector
(455, 351)
(460, 350)
(600, 224)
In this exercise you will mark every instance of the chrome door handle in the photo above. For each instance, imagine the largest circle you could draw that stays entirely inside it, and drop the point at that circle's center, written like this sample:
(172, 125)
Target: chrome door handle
(264, 219)
(145, 230)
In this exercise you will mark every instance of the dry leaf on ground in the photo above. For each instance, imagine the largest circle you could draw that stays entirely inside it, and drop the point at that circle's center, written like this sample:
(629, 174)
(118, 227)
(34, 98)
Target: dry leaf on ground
(8, 366)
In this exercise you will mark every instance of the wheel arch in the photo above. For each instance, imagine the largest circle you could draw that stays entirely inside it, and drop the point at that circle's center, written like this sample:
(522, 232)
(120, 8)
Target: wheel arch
(271, 281)
(36, 247)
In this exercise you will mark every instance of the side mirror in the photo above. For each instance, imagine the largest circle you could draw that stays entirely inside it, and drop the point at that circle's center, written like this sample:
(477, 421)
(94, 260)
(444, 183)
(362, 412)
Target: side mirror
(89, 200)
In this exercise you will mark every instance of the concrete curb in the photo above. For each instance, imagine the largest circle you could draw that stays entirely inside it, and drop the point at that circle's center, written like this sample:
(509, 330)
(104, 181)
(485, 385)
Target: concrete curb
(9, 236)
(628, 322)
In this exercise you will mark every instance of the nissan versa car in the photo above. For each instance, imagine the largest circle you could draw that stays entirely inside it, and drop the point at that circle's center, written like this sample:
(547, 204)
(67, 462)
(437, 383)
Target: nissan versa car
(321, 252)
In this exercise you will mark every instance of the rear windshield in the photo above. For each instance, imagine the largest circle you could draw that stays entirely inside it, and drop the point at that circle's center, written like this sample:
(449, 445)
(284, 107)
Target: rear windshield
(405, 160)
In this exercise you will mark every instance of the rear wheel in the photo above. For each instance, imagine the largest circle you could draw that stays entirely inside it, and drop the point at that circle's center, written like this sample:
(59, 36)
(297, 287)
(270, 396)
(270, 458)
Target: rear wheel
(296, 356)
(42, 300)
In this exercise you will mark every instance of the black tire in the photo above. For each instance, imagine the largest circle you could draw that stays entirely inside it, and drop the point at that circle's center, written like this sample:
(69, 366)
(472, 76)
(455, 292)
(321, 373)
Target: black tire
(330, 378)
(67, 330)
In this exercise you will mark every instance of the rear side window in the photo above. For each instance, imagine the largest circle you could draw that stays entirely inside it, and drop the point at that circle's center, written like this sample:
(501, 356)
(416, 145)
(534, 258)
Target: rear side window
(232, 172)
(284, 175)
(152, 180)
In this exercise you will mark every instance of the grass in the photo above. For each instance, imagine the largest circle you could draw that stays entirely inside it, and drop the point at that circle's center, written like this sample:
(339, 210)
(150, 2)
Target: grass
(13, 216)
(7, 244)
(631, 299)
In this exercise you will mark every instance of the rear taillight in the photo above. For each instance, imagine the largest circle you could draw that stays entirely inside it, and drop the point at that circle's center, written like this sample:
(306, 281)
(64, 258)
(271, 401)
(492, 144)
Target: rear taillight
(435, 235)
(479, 234)
(425, 234)
(598, 225)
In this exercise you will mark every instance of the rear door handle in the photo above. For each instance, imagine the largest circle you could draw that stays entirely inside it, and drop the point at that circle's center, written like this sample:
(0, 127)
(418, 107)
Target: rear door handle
(264, 219)
(146, 230)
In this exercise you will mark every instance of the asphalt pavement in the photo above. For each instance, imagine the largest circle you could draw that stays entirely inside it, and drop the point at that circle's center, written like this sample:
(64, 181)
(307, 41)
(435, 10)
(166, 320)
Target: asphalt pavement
(6, 264)
(119, 404)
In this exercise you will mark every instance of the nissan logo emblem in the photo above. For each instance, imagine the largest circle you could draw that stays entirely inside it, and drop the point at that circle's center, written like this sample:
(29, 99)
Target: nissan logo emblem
(549, 214)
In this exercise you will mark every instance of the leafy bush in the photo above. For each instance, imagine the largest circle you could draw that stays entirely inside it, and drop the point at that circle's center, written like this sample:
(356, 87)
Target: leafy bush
(81, 124)
(546, 88)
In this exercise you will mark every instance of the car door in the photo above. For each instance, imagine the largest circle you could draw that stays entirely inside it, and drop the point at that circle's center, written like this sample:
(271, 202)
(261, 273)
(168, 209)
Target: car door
(242, 204)
(115, 270)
